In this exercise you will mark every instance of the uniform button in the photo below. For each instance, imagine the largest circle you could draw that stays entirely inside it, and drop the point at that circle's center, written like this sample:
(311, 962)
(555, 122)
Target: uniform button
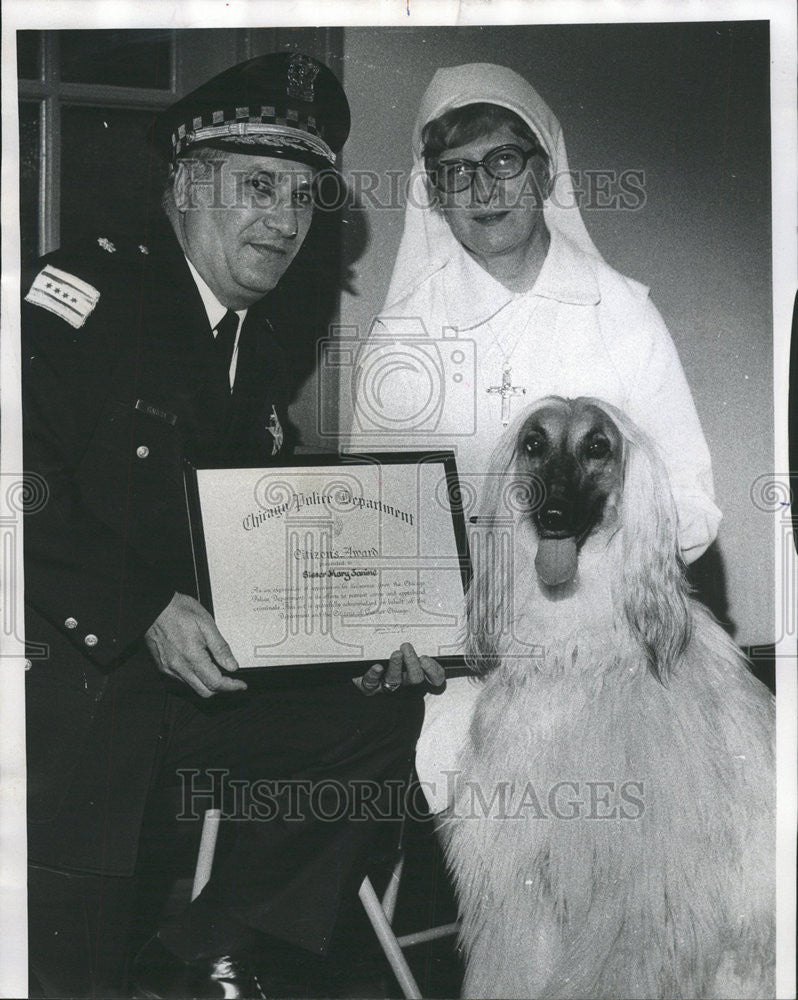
(142, 451)
(91, 640)
(71, 623)
(28, 664)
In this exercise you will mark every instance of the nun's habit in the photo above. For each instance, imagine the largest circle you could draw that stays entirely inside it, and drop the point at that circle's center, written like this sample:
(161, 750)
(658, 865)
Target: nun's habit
(450, 333)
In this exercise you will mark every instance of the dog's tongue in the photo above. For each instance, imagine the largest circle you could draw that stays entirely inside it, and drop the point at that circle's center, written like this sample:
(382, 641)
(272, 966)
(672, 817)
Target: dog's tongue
(556, 560)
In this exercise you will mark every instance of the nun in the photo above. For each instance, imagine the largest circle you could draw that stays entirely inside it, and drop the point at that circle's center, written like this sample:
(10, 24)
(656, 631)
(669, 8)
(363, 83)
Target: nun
(499, 297)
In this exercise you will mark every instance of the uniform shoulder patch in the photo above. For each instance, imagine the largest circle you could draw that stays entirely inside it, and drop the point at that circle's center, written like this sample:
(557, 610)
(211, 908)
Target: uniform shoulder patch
(65, 295)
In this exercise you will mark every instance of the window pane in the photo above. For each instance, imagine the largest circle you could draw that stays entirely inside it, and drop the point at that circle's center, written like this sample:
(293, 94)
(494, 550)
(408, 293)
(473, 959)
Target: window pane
(28, 55)
(29, 117)
(109, 175)
(117, 58)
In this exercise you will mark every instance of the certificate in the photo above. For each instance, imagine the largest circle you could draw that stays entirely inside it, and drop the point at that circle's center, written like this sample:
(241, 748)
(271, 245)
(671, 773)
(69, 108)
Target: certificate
(333, 560)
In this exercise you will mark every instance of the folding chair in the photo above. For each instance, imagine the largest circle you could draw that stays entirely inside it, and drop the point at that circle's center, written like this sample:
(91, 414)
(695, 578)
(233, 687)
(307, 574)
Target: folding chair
(379, 912)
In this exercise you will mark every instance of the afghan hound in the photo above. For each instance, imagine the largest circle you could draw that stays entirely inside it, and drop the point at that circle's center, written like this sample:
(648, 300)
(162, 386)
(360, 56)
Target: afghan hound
(612, 832)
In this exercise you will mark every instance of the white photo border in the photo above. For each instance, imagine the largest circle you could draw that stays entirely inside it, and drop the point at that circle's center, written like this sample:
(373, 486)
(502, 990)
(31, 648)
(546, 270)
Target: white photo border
(175, 14)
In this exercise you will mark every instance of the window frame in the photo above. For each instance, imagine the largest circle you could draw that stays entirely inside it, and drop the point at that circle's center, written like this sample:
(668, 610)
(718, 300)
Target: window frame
(51, 93)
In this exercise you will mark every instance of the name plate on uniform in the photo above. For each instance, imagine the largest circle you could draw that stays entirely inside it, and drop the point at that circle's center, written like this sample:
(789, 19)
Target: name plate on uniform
(333, 560)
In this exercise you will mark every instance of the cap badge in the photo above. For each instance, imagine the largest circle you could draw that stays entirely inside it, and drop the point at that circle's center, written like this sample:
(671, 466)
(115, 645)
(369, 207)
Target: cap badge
(302, 73)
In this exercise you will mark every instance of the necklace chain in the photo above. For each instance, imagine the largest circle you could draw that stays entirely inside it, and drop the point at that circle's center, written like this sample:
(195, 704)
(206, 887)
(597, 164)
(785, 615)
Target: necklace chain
(506, 389)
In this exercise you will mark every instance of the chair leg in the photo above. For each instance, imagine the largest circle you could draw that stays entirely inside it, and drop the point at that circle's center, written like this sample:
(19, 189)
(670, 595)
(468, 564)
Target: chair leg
(207, 849)
(388, 942)
(433, 934)
(391, 894)
(380, 920)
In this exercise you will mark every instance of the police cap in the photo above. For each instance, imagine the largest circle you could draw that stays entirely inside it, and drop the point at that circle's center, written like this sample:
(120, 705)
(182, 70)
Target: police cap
(286, 105)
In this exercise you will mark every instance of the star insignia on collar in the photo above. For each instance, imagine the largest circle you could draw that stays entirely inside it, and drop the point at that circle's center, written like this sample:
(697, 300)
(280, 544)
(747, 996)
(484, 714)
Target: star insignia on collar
(106, 244)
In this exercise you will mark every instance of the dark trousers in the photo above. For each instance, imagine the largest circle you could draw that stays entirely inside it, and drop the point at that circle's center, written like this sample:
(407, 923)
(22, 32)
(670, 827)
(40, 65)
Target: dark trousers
(306, 778)
(78, 933)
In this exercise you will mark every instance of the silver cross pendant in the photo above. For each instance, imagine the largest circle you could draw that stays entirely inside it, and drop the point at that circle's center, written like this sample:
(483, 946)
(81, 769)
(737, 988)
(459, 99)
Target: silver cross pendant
(506, 390)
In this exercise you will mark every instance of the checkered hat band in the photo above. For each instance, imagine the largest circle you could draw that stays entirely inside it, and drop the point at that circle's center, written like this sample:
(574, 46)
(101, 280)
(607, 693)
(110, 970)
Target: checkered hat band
(256, 133)
(290, 120)
(262, 115)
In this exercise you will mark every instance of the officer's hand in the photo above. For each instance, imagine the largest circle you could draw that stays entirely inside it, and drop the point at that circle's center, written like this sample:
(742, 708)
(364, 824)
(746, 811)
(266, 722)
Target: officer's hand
(185, 643)
(404, 668)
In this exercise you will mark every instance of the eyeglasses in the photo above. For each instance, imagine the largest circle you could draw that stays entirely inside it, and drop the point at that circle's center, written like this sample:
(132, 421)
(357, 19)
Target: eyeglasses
(501, 163)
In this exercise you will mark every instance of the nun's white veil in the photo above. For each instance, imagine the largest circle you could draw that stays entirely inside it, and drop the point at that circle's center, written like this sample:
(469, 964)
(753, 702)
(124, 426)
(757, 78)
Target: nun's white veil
(427, 242)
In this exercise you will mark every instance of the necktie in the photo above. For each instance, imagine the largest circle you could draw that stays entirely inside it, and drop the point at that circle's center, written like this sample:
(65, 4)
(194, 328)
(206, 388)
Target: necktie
(226, 330)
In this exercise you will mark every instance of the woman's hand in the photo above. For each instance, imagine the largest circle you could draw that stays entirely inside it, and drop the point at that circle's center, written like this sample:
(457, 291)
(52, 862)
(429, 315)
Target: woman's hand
(405, 668)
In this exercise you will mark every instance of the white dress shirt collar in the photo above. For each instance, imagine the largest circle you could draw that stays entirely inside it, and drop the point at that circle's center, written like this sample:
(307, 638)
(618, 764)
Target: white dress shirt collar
(216, 312)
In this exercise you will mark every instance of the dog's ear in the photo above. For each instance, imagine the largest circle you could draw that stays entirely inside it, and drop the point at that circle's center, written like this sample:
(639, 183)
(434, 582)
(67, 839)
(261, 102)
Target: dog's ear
(654, 586)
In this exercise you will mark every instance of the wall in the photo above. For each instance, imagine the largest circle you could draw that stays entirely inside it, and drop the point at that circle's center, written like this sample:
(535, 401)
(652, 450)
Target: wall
(689, 105)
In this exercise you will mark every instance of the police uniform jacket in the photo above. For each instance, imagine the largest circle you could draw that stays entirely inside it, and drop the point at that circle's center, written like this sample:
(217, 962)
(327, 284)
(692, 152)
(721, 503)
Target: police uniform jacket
(121, 384)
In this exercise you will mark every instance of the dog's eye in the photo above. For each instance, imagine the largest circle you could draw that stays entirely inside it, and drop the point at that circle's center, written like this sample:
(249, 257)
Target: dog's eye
(598, 447)
(533, 445)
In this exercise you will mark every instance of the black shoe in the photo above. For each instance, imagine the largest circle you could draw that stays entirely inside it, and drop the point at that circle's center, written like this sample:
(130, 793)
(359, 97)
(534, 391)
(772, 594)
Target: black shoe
(159, 974)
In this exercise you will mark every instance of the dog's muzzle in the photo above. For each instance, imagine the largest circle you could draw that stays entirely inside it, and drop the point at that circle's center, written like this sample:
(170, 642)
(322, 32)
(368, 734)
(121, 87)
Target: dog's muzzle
(554, 520)
(557, 555)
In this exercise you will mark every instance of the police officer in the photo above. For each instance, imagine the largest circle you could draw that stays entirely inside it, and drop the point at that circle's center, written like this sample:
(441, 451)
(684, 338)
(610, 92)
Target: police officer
(139, 354)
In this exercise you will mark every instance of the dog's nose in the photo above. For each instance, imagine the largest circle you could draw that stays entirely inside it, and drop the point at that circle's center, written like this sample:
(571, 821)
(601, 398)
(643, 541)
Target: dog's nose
(553, 518)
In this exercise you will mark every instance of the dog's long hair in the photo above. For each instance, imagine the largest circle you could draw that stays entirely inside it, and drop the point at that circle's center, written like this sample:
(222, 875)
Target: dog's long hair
(651, 582)
(616, 685)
